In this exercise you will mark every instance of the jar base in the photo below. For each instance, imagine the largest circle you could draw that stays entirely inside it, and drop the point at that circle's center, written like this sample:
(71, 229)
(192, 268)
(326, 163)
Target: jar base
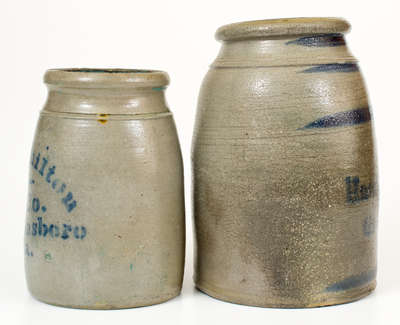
(104, 306)
(256, 301)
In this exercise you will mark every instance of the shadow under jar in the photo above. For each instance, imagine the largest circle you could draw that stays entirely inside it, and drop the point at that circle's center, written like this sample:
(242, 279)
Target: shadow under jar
(285, 184)
(105, 225)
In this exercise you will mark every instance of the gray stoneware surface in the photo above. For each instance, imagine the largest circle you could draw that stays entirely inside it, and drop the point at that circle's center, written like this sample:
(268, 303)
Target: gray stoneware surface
(105, 221)
(284, 174)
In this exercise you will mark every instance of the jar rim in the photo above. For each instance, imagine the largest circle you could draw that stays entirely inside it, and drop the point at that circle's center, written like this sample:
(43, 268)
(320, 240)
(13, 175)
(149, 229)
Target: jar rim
(270, 28)
(105, 78)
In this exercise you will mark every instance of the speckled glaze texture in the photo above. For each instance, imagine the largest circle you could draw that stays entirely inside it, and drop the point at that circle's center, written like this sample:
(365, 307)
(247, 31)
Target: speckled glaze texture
(105, 224)
(284, 175)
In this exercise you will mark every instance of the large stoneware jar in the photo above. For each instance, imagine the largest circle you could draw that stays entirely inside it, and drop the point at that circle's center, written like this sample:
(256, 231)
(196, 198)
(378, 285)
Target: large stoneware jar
(285, 187)
(105, 221)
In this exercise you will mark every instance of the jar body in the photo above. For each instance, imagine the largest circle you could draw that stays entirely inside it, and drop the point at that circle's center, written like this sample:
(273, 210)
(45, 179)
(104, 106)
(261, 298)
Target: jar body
(285, 189)
(105, 223)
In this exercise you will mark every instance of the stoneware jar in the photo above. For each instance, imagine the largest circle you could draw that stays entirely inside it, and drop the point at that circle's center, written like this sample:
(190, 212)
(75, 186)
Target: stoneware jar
(105, 223)
(285, 187)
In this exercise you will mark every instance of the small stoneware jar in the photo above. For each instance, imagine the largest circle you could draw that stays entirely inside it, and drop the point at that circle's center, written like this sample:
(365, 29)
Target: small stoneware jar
(285, 184)
(105, 224)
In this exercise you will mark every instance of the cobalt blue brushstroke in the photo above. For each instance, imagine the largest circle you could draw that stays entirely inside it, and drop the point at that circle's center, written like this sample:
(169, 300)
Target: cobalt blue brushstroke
(352, 282)
(322, 40)
(353, 117)
(332, 67)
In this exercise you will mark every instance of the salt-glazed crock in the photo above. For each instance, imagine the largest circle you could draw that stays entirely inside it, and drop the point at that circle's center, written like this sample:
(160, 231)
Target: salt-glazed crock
(105, 224)
(285, 187)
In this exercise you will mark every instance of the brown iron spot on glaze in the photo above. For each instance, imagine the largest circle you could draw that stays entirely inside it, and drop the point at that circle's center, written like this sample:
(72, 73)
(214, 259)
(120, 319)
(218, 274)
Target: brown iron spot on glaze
(102, 118)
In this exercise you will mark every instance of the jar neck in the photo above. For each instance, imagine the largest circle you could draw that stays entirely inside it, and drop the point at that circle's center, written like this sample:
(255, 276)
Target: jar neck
(284, 51)
(124, 100)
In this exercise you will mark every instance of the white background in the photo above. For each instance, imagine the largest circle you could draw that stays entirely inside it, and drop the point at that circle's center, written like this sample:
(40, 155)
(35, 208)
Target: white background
(178, 37)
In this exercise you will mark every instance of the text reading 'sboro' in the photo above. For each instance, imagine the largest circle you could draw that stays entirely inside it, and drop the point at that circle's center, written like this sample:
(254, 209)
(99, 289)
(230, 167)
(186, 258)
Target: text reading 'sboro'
(40, 228)
(42, 165)
(357, 192)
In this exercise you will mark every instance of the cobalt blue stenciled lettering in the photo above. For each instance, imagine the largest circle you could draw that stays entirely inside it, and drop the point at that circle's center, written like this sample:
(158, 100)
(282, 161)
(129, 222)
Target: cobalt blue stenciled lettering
(39, 228)
(48, 171)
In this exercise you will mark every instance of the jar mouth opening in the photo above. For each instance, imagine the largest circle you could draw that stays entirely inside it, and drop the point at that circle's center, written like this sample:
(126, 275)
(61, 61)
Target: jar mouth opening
(105, 78)
(284, 27)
